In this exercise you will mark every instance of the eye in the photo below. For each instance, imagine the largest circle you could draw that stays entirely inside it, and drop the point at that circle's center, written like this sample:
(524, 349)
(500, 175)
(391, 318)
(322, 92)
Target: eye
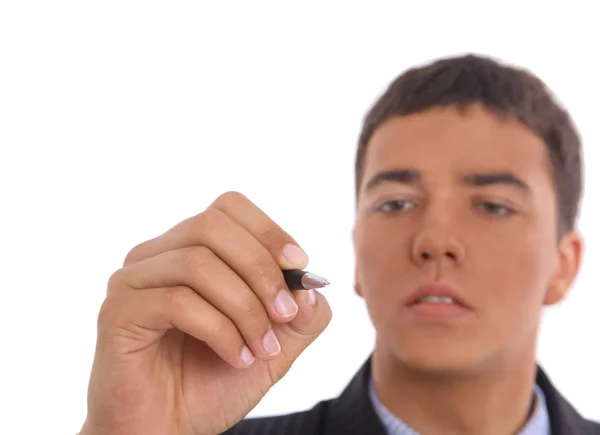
(395, 205)
(495, 209)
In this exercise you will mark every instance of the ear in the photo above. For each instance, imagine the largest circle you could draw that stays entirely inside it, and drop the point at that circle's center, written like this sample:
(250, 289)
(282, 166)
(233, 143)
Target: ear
(357, 288)
(568, 263)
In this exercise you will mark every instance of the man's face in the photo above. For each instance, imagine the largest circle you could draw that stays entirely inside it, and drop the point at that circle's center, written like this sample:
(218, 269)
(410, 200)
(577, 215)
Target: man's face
(476, 211)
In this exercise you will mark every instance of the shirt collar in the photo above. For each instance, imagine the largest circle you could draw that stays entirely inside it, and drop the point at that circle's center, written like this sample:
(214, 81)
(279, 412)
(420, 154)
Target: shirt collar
(538, 423)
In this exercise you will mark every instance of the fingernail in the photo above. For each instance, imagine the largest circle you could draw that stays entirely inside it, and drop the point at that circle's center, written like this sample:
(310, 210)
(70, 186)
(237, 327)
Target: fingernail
(270, 343)
(293, 254)
(285, 304)
(312, 297)
(247, 356)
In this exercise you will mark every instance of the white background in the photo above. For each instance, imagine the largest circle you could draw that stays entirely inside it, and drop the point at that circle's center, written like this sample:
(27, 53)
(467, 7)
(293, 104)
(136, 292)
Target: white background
(118, 119)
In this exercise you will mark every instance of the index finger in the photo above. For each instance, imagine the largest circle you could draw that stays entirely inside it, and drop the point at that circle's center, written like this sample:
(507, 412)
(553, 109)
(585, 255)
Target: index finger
(284, 249)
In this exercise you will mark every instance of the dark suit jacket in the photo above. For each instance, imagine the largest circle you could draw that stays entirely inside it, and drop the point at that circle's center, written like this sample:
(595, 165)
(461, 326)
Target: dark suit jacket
(352, 413)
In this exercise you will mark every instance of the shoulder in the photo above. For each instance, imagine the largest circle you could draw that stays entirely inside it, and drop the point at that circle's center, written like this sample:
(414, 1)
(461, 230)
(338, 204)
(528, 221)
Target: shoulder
(564, 418)
(582, 425)
(310, 421)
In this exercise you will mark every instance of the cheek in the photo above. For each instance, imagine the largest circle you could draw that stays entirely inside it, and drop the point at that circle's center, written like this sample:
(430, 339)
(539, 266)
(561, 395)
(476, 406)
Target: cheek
(382, 256)
(515, 268)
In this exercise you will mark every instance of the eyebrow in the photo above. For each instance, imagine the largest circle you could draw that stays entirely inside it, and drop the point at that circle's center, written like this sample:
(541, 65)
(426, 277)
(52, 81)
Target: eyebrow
(487, 179)
(402, 176)
(412, 177)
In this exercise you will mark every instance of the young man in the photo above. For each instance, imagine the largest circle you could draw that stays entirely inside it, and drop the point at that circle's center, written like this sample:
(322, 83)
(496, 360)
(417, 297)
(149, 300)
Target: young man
(468, 188)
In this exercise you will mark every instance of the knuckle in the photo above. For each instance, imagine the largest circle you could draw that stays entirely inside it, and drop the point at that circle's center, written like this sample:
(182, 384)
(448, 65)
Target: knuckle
(249, 311)
(267, 273)
(177, 298)
(256, 312)
(115, 282)
(224, 336)
(275, 237)
(230, 199)
(197, 257)
(132, 255)
(136, 253)
(208, 221)
(107, 311)
(220, 329)
(252, 308)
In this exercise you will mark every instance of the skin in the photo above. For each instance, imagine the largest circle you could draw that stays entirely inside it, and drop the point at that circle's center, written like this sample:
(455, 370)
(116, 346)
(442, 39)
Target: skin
(178, 314)
(496, 244)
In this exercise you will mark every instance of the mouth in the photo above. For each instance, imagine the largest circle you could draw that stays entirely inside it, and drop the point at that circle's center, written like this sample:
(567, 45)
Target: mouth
(437, 302)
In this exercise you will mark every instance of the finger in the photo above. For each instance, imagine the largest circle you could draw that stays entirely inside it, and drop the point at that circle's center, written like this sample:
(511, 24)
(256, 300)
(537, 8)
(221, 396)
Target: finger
(141, 318)
(201, 270)
(237, 207)
(214, 231)
(314, 314)
(295, 336)
(277, 241)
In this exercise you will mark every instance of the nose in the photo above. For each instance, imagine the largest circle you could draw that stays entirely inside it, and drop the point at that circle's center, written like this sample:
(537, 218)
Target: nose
(435, 246)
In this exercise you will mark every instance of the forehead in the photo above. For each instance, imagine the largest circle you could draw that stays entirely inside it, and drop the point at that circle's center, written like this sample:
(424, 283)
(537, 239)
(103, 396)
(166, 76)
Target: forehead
(442, 139)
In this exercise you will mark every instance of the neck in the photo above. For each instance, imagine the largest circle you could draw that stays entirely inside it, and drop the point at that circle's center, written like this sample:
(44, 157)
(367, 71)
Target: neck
(493, 401)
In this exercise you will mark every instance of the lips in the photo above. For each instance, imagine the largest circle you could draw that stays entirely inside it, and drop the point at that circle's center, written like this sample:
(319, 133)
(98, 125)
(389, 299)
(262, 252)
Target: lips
(437, 293)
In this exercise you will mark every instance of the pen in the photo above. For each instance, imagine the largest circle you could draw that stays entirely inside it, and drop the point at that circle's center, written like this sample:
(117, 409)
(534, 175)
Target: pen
(303, 280)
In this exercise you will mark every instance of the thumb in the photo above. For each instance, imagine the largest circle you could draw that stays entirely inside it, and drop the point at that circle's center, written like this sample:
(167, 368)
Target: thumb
(314, 314)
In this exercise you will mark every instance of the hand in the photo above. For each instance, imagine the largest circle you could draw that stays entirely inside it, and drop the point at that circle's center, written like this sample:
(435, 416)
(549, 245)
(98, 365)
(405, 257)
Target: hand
(186, 315)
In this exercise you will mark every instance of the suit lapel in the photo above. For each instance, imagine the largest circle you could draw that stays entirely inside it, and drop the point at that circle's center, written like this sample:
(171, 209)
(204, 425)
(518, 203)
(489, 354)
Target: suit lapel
(352, 413)
(564, 419)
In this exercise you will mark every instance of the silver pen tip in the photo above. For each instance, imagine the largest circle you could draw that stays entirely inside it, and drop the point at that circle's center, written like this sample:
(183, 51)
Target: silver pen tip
(312, 280)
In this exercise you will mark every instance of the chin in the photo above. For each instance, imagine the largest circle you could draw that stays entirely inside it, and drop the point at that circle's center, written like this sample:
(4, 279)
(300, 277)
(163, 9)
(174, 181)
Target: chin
(435, 366)
(438, 359)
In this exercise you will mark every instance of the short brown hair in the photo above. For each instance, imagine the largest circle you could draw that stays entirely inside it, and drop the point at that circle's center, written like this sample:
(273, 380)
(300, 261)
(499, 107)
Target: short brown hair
(507, 91)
